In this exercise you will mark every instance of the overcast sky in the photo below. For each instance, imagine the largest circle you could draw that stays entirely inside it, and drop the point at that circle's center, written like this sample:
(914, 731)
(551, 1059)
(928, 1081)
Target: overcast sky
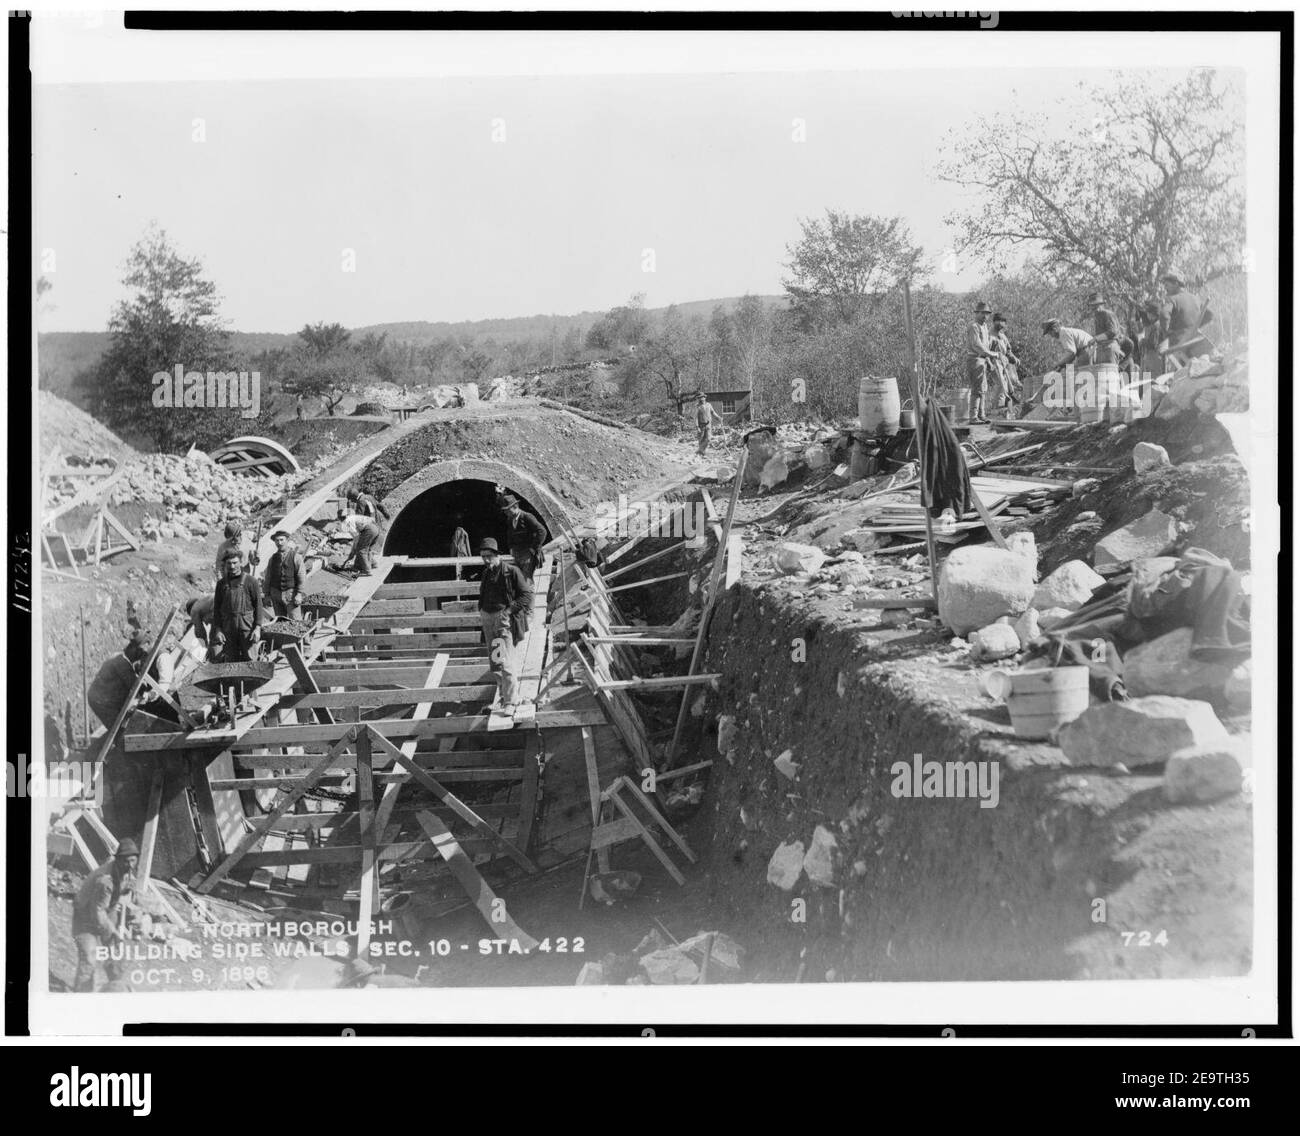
(447, 223)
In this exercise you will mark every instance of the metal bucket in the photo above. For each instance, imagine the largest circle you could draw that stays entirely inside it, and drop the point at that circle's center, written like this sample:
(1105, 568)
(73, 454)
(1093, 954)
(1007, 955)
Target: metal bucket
(907, 416)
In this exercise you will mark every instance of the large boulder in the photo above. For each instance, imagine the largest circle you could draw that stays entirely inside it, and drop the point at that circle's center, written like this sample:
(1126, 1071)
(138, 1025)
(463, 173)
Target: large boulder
(996, 641)
(669, 967)
(1194, 776)
(979, 585)
(1166, 666)
(1070, 586)
(786, 865)
(1148, 456)
(1151, 535)
(791, 558)
(1144, 731)
(819, 860)
(774, 472)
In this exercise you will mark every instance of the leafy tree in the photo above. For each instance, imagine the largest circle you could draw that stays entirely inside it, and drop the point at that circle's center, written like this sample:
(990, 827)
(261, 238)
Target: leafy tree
(323, 339)
(672, 353)
(171, 318)
(841, 267)
(1140, 178)
(623, 326)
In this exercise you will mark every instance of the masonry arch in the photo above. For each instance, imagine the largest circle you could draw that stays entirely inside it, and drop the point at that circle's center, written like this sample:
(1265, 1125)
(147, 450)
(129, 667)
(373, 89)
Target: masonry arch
(427, 507)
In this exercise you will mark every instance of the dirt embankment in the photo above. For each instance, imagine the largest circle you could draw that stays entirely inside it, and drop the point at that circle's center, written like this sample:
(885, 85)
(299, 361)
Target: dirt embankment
(940, 888)
(935, 889)
(581, 462)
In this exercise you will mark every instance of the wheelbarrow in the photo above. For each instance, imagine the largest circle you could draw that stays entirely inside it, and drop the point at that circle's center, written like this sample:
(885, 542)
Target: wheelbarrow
(321, 605)
(281, 632)
(233, 684)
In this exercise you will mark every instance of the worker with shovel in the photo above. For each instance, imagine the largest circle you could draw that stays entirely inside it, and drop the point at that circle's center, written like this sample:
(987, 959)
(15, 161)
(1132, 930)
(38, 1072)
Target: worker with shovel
(98, 916)
(1183, 316)
(1105, 330)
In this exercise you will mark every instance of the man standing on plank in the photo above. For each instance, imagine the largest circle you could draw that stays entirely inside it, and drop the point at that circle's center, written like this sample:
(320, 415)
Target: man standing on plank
(237, 615)
(504, 599)
(285, 577)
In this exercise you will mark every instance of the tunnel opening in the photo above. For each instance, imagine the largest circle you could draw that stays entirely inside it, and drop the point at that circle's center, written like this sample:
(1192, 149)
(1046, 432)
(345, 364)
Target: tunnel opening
(426, 526)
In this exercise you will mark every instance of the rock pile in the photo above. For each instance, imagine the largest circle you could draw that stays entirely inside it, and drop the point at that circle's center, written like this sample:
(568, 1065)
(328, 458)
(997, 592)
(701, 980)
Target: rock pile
(196, 494)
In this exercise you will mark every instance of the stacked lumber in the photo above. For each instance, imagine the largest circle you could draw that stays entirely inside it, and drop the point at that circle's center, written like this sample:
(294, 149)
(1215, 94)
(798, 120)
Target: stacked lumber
(1024, 495)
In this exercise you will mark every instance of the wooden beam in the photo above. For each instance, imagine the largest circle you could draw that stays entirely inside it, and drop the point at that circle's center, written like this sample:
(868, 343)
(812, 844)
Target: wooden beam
(129, 704)
(305, 680)
(369, 884)
(150, 837)
(709, 600)
(266, 823)
(341, 699)
(482, 896)
(594, 792)
(468, 815)
(663, 682)
(418, 589)
(647, 583)
(645, 560)
(289, 735)
(613, 795)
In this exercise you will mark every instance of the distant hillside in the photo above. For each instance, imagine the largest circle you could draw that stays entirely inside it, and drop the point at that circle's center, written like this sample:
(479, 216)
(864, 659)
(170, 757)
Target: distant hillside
(62, 354)
(533, 327)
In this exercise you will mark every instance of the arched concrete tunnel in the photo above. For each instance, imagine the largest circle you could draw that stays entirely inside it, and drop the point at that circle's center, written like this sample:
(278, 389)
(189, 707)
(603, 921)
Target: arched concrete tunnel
(427, 507)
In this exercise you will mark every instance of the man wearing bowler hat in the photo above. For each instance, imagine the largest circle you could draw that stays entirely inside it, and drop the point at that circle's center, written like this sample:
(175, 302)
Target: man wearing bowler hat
(505, 596)
(97, 915)
(527, 535)
(980, 360)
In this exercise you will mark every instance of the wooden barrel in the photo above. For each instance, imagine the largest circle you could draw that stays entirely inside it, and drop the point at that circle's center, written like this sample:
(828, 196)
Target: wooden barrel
(1044, 700)
(1095, 388)
(878, 405)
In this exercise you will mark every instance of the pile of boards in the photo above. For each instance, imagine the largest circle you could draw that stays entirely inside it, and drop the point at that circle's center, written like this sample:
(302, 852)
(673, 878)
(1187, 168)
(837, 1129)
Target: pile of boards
(901, 511)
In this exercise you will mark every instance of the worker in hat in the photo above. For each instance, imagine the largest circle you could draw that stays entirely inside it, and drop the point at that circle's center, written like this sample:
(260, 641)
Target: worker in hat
(237, 614)
(1105, 330)
(1183, 315)
(980, 360)
(505, 596)
(1004, 365)
(235, 542)
(364, 533)
(705, 416)
(527, 535)
(1074, 342)
(114, 681)
(367, 505)
(286, 577)
(98, 916)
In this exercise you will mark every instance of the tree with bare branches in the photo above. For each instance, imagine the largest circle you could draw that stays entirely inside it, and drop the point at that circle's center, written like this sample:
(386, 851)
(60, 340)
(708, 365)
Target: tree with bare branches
(1145, 175)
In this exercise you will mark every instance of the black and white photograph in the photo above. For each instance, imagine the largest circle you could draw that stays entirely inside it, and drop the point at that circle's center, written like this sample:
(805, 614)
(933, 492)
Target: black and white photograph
(533, 516)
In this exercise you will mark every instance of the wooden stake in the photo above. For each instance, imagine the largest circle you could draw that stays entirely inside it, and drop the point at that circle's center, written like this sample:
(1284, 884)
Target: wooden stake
(714, 578)
(927, 501)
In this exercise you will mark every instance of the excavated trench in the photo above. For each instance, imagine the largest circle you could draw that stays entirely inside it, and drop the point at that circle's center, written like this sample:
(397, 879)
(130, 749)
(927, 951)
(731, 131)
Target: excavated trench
(941, 888)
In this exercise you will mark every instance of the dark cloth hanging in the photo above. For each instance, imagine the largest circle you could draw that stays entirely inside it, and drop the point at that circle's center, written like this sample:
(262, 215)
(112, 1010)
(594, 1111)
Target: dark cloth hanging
(946, 475)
